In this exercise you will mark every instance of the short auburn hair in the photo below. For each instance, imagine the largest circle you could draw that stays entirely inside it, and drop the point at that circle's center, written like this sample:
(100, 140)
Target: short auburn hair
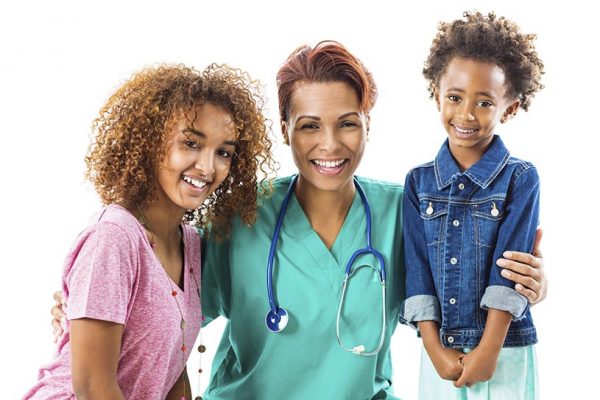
(328, 61)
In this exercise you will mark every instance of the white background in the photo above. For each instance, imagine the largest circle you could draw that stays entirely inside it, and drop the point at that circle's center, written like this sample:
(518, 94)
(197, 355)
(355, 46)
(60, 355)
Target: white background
(59, 61)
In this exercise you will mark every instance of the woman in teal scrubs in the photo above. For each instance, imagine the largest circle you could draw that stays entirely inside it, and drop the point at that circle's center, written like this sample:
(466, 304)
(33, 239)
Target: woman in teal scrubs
(325, 95)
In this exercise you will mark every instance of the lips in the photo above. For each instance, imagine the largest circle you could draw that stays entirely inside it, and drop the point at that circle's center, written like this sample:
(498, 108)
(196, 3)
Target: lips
(329, 167)
(196, 183)
(463, 131)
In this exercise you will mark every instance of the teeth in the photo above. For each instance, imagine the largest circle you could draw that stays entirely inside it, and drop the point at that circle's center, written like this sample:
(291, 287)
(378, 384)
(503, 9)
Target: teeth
(195, 182)
(464, 130)
(329, 164)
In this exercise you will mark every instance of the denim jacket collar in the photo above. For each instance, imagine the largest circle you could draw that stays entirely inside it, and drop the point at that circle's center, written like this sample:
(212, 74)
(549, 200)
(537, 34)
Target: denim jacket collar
(482, 173)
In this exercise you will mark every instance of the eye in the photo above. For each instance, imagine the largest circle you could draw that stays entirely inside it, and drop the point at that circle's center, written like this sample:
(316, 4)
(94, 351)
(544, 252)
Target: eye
(225, 153)
(309, 125)
(191, 144)
(485, 104)
(348, 124)
(454, 98)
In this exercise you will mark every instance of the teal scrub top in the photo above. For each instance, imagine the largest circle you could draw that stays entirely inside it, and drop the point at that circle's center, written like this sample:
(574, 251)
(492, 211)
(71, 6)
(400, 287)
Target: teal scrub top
(304, 361)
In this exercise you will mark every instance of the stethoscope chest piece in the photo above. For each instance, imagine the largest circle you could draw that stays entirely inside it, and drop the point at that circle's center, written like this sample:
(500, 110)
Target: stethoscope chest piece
(277, 321)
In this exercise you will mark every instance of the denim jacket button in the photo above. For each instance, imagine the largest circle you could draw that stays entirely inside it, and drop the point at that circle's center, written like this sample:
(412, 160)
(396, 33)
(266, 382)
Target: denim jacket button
(455, 222)
(450, 339)
(429, 210)
(452, 301)
(461, 186)
(453, 261)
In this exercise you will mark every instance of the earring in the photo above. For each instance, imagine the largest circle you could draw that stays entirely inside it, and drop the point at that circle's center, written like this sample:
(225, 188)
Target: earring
(190, 215)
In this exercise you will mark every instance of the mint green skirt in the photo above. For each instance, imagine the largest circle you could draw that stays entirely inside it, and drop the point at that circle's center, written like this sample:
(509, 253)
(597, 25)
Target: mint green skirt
(515, 378)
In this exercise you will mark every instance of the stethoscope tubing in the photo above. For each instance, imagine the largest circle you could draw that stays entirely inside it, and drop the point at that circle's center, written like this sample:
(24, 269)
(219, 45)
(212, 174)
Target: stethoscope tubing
(277, 316)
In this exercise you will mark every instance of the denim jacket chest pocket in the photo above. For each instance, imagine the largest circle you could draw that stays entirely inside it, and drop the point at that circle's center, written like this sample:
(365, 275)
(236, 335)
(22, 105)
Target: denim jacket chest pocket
(434, 214)
(487, 217)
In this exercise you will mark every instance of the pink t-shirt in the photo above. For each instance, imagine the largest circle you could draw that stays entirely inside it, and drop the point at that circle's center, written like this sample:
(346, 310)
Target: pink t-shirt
(112, 274)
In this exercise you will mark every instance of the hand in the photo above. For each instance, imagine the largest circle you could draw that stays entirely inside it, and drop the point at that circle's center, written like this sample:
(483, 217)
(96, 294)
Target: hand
(478, 366)
(58, 314)
(527, 271)
(447, 362)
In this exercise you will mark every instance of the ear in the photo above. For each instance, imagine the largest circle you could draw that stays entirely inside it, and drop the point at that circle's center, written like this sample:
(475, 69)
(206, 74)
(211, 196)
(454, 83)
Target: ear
(510, 111)
(436, 97)
(368, 122)
(284, 132)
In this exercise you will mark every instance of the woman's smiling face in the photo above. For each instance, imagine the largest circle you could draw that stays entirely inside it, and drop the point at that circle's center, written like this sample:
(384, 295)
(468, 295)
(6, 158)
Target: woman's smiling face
(327, 132)
(198, 156)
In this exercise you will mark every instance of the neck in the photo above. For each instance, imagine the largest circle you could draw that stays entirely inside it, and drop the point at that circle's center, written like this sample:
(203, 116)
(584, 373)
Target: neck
(161, 220)
(467, 157)
(326, 210)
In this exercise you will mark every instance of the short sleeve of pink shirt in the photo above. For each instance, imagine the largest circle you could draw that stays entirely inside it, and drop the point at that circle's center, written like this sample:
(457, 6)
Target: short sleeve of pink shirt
(100, 281)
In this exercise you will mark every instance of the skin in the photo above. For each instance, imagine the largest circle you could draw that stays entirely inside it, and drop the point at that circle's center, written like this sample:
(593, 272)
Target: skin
(326, 124)
(325, 127)
(201, 150)
(472, 100)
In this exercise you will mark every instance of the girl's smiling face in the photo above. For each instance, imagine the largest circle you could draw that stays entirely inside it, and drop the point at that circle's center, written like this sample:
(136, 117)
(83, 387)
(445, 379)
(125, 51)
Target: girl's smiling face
(327, 132)
(472, 100)
(198, 156)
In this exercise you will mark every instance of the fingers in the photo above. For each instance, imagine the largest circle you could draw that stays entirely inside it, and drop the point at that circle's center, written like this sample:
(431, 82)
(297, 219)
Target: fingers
(57, 312)
(462, 380)
(59, 298)
(526, 282)
(58, 315)
(57, 330)
(536, 245)
(516, 260)
(531, 296)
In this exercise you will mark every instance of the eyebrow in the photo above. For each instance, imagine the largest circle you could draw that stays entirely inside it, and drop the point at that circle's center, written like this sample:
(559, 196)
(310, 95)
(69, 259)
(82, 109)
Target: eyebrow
(319, 118)
(203, 136)
(487, 94)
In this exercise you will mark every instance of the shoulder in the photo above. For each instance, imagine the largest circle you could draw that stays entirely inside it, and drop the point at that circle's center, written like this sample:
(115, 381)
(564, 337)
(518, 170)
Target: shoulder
(274, 191)
(520, 168)
(113, 226)
(381, 191)
(421, 170)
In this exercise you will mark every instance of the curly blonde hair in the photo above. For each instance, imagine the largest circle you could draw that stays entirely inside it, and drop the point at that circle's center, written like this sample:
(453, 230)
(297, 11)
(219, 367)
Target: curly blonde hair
(131, 132)
(490, 39)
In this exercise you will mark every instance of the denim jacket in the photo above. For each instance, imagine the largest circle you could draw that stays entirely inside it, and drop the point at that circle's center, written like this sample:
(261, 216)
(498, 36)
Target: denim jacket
(456, 225)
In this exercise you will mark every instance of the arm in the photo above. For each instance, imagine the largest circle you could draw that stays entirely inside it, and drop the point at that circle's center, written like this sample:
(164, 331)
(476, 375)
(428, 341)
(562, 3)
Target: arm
(183, 383)
(421, 302)
(480, 364)
(215, 282)
(95, 349)
(446, 360)
(517, 233)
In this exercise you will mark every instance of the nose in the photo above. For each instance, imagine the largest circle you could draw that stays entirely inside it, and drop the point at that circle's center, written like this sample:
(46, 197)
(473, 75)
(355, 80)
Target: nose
(206, 163)
(465, 112)
(330, 141)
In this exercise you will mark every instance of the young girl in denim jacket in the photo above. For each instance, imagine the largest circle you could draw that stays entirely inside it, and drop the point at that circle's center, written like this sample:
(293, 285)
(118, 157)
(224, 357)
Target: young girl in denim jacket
(465, 208)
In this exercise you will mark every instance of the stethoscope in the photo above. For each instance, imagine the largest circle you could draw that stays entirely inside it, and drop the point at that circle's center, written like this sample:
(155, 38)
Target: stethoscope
(277, 317)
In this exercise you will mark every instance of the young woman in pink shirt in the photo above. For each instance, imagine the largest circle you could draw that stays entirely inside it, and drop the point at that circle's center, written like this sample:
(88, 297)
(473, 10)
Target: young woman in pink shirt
(171, 145)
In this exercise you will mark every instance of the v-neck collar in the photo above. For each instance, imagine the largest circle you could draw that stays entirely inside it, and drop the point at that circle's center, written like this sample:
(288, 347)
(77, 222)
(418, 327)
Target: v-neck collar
(349, 236)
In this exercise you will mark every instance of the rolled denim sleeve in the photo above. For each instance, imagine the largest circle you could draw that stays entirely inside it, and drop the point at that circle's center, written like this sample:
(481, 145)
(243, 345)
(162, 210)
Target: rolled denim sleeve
(517, 233)
(421, 302)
